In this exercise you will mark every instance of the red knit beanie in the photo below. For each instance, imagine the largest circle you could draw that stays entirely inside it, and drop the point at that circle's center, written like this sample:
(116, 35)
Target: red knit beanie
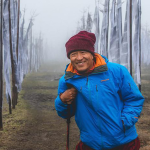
(82, 41)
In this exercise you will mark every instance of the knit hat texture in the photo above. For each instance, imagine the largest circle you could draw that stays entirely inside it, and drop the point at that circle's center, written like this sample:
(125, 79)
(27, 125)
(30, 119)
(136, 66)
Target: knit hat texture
(82, 41)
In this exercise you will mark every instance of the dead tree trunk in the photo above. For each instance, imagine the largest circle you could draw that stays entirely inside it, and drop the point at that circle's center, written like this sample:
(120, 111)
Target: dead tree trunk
(14, 88)
(1, 66)
(131, 37)
(17, 44)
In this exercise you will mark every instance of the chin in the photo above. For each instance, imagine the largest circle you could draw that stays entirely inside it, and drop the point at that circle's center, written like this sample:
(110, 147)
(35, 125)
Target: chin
(81, 70)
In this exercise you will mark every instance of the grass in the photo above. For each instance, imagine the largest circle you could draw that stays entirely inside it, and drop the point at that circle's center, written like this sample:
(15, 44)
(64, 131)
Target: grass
(13, 122)
(15, 125)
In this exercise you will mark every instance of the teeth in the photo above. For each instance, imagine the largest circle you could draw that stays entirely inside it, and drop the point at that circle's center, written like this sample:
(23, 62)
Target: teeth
(80, 63)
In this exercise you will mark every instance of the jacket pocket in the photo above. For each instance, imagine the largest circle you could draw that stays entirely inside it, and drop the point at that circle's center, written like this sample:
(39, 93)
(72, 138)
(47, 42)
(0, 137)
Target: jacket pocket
(124, 129)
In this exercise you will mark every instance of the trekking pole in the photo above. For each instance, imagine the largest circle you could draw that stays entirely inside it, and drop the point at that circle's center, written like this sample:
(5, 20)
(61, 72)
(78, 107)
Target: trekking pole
(68, 125)
(68, 119)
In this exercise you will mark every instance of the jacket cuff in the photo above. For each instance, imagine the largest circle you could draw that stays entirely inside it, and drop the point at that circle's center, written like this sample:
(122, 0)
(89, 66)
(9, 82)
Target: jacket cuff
(59, 101)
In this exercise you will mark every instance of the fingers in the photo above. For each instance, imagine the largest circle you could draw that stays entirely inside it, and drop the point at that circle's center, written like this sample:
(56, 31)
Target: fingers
(72, 95)
(69, 95)
(72, 92)
(73, 89)
(69, 102)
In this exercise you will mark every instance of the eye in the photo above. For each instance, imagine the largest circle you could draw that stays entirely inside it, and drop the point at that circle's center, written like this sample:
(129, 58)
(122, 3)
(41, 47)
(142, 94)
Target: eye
(73, 54)
(83, 52)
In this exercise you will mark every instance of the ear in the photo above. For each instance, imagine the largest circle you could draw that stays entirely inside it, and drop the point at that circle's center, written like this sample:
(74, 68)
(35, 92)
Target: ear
(92, 57)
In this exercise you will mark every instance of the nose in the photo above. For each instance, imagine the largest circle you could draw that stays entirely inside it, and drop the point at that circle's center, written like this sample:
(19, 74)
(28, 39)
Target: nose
(79, 56)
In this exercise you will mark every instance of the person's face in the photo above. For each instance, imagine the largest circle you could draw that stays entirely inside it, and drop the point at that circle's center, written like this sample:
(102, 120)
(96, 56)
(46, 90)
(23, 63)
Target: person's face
(81, 60)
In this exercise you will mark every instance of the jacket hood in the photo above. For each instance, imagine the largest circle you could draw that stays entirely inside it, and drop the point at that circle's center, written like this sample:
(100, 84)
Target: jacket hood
(100, 66)
(106, 60)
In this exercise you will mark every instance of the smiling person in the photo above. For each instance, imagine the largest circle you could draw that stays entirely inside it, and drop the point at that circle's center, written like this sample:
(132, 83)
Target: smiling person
(103, 97)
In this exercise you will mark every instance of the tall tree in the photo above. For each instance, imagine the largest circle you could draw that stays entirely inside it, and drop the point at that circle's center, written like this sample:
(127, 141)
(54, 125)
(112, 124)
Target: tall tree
(18, 19)
(113, 31)
(116, 33)
(89, 23)
(13, 38)
(125, 51)
(136, 42)
(1, 65)
(7, 61)
(26, 48)
(96, 22)
(31, 48)
(83, 22)
(104, 30)
(130, 35)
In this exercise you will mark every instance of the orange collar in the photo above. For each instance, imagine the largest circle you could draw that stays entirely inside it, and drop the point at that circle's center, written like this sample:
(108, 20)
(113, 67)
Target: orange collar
(100, 61)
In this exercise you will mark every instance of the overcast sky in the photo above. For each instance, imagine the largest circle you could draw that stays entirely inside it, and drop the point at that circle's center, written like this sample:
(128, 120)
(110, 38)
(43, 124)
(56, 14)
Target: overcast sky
(57, 19)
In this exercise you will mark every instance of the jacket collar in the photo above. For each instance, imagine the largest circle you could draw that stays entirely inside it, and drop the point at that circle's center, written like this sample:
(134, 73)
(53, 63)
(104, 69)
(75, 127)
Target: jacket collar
(99, 67)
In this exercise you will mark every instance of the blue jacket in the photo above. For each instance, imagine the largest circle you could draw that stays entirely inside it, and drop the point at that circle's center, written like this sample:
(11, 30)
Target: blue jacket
(105, 99)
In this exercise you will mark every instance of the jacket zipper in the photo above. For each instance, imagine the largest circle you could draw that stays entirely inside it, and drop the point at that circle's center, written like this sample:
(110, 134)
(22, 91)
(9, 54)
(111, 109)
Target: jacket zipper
(81, 89)
(88, 85)
(99, 119)
(87, 80)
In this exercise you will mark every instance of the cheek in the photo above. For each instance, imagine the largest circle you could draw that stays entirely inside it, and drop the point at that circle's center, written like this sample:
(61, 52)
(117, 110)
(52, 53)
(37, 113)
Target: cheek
(72, 62)
(90, 60)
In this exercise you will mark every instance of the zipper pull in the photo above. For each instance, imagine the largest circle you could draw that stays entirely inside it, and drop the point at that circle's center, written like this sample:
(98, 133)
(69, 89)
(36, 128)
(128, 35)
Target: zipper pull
(87, 81)
(96, 88)
(129, 85)
(81, 89)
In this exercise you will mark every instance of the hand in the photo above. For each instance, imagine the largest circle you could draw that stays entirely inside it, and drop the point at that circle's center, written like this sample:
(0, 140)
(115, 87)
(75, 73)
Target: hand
(68, 96)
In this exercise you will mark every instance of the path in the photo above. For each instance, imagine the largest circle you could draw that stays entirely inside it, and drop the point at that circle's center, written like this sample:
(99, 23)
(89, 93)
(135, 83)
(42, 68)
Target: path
(35, 125)
(39, 128)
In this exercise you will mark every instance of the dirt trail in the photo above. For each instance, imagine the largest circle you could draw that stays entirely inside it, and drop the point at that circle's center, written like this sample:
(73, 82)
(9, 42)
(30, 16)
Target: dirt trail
(40, 128)
(35, 125)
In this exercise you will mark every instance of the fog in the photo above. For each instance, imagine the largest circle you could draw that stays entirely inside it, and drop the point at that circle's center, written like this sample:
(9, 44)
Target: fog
(57, 21)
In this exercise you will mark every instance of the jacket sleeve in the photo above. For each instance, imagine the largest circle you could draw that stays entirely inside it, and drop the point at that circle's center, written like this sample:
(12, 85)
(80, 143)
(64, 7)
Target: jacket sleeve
(61, 108)
(132, 98)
